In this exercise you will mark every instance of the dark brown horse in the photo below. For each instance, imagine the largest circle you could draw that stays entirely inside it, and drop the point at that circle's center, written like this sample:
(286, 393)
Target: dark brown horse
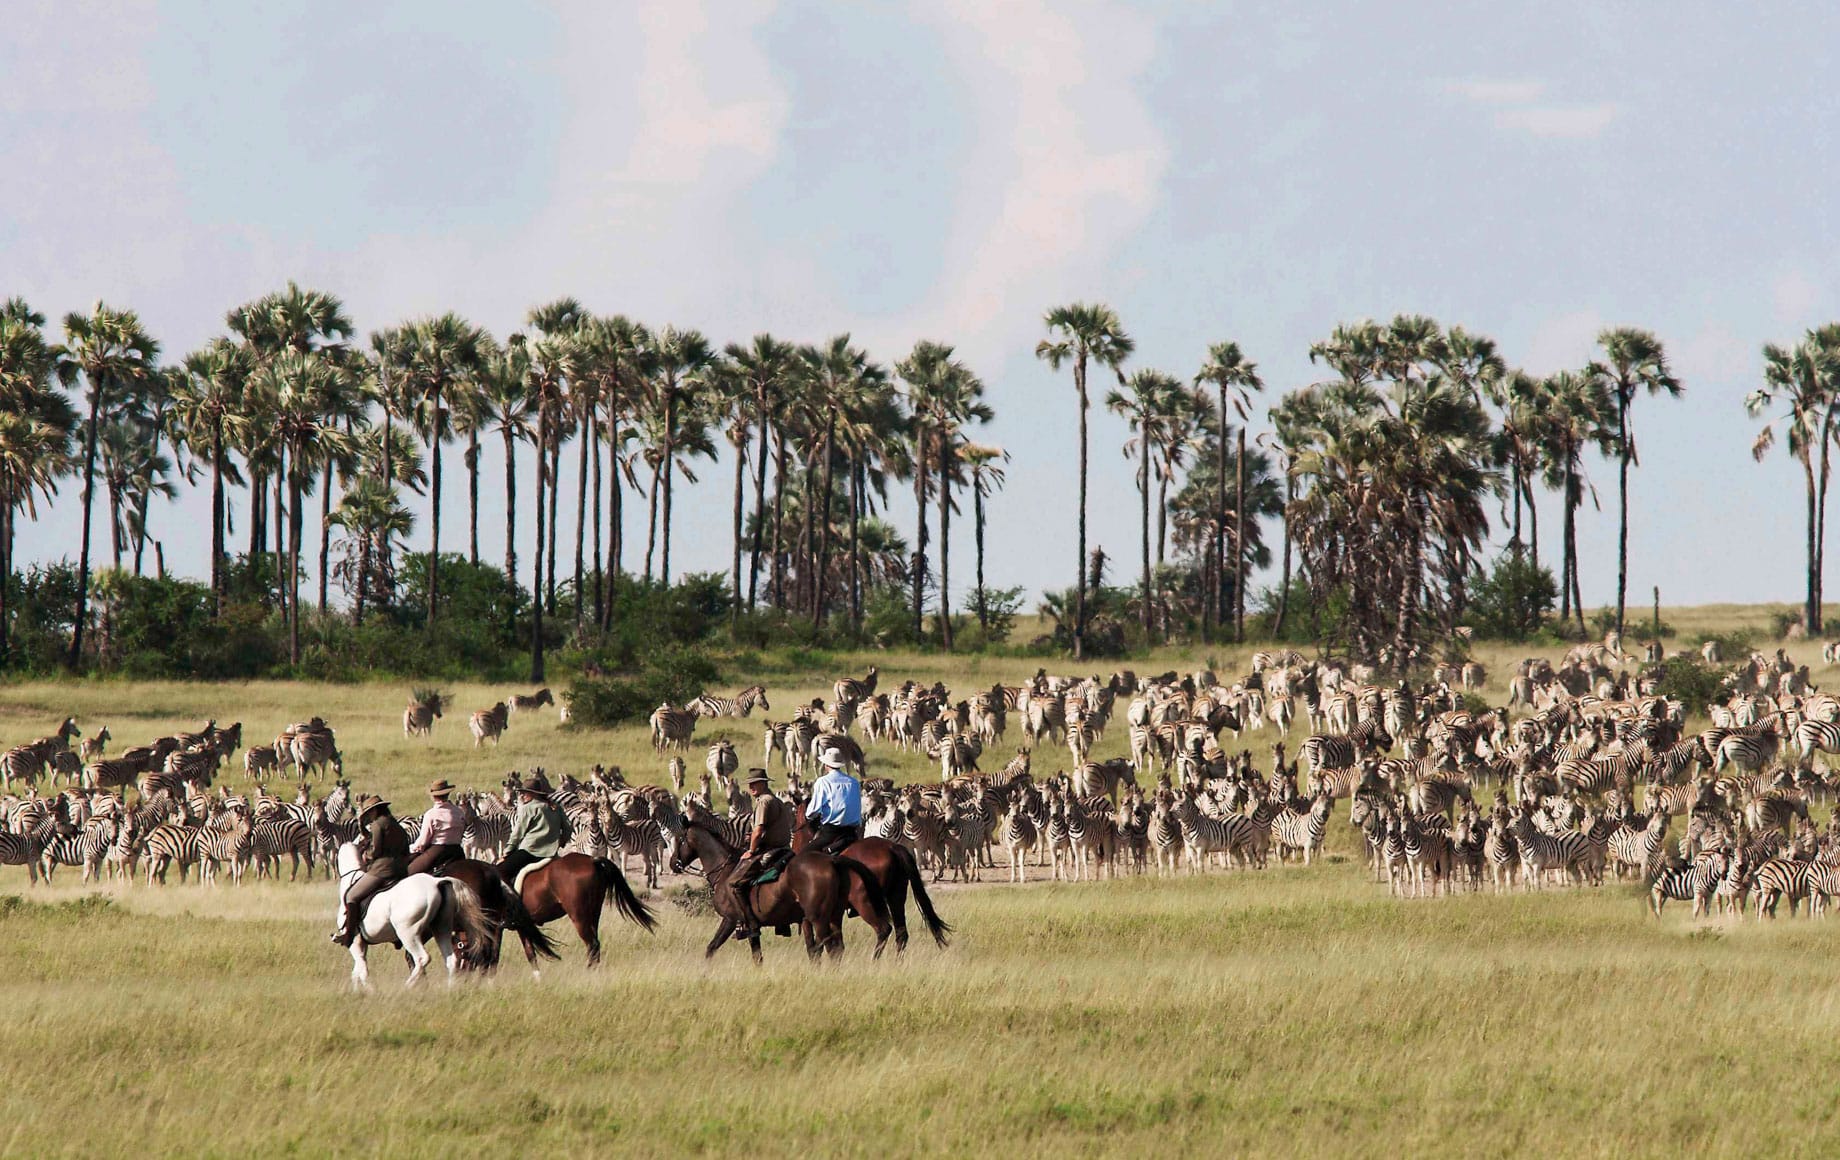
(577, 886)
(812, 890)
(893, 867)
(504, 909)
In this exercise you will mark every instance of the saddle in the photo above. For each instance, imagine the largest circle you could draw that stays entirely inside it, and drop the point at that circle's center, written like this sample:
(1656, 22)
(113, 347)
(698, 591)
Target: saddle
(772, 865)
(527, 871)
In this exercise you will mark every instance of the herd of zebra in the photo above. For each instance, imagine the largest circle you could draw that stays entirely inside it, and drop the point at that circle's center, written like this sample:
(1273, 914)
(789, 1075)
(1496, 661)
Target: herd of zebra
(1586, 769)
(489, 724)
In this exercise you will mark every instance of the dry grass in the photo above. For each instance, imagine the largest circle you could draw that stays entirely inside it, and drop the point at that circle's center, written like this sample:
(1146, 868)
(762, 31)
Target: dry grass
(1295, 1011)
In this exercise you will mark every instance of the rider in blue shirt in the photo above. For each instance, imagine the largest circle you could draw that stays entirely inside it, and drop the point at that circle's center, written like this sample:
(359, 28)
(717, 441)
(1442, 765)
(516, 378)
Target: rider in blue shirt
(836, 805)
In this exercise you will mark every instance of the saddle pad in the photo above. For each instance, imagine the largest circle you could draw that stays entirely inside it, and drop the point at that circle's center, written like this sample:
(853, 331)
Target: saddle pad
(776, 863)
(528, 871)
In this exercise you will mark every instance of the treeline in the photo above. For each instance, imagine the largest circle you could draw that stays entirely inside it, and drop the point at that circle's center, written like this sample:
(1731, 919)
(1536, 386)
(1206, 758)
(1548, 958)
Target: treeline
(1381, 478)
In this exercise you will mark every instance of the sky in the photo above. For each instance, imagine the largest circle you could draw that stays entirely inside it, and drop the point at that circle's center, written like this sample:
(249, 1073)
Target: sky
(950, 169)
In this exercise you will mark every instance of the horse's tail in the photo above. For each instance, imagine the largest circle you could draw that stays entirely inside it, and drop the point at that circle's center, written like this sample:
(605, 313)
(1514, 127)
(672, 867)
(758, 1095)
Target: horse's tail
(517, 918)
(938, 927)
(469, 917)
(871, 887)
(629, 903)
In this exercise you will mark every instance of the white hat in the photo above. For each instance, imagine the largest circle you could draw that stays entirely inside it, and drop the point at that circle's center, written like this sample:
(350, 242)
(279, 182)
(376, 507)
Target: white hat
(832, 758)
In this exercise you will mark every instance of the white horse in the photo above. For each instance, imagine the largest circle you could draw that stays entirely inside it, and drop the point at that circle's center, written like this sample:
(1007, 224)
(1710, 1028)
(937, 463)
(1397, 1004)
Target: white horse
(408, 914)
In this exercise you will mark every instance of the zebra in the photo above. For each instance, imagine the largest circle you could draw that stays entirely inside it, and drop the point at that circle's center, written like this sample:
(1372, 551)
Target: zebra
(1165, 837)
(1776, 878)
(489, 723)
(721, 760)
(519, 703)
(1427, 852)
(111, 773)
(23, 763)
(1823, 884)
(672, 727)
(93, 747)
(418, 718)
(1696, 883)
(21, 850)
(315, 748)
(1813, 737)
(1341, 750)
(1303, 830)
(740, 705)
(275, 837)
(1639, 847)
(850, 689)
(86, 848)
(167, 844)
(1541, 852)
(644, 838)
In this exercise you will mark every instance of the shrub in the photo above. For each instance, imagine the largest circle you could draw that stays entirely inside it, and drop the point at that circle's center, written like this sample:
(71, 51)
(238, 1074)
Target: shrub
(675, 674)
(1690, 681)
(1511, 602)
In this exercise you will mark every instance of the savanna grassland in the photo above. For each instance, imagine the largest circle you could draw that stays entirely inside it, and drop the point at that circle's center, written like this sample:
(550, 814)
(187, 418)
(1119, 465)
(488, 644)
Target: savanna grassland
(1297, 1011)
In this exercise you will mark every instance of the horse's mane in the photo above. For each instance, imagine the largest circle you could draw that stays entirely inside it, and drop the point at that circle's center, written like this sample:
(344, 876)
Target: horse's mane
(702, 825)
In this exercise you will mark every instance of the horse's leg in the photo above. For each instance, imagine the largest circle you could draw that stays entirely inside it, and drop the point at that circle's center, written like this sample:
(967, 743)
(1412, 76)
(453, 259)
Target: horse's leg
(360, 966)
(896, 894)
(444, 942)
(724, 932)
(586, 916)
(416, 952)
(813, 948)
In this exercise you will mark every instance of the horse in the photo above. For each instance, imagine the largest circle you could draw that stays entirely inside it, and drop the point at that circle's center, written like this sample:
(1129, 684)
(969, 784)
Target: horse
(893, 867)
(577, 886)
(812, 890)
(408, 914)
(504, 909)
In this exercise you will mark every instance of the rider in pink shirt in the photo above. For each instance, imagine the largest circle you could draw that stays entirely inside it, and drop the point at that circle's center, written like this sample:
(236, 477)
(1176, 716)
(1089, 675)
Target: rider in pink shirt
(438, 841)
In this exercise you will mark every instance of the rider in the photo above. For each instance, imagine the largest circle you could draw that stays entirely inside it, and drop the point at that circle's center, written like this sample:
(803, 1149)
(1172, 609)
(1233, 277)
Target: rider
(537, 830)
(388, 863)
(772, 831)
(836, 805)
(438, 841)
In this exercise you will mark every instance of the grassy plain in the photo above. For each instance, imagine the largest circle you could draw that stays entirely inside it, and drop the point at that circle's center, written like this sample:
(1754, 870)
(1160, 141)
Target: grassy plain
(1291, 1012)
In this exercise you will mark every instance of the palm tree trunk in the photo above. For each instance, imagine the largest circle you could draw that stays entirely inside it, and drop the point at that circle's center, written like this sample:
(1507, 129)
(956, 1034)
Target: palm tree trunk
(1079, 603)
(1239, 546)
(977, 520)
(472, 497)
(670, 472)
(1572, 603)
(822, 574)
(1215, 613)
(1516, 540)
(217, 518)
(1622, 506)
(434, 514)
(1811, 610)
(807, 542)
(6, 581)
(555, 496)
(616, 525)
(389, 464)
(581, 510)
(294, 562)
(651, 521)
(325, 534)
(536, 583)
(364, 574)
(510, 511)
(1284, 583)
(281, 525)
(1143, 496)
(1533, 520)
(734, 611)
(592, 434)
(777, 566)
(919, 577)
(945, 544)
(856, 509)
(760, 502)
(1820, 536)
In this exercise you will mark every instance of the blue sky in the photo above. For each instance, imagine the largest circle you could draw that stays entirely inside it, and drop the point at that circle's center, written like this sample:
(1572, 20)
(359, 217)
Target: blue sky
(947, 170)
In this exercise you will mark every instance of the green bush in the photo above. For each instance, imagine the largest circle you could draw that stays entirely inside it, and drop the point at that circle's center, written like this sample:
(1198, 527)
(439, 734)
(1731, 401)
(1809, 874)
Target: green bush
(1690, 681)
(1512, 602)
(675, 674)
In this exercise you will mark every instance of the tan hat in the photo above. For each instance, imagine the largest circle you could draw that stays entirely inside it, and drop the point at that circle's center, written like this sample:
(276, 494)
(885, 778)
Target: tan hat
(440, 789)
(372, 804)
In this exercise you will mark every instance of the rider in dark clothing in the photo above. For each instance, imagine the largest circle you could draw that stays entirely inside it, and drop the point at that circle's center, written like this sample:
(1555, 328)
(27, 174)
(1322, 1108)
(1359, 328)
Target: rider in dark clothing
(387, 864)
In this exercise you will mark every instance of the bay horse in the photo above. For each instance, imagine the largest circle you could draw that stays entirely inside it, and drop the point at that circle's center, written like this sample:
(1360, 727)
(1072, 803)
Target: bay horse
(894, 869)
(577, 886)
(812, 890)
(506, 912)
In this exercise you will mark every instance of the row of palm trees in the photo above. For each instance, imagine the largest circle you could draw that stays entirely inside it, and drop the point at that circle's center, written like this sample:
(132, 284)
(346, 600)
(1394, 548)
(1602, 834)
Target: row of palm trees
(1381, 473)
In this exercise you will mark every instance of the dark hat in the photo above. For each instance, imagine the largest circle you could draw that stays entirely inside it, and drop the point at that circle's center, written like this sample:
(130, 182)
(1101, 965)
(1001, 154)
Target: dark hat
(440, 788)
(758, 777)
(534, 784)
(371, 804)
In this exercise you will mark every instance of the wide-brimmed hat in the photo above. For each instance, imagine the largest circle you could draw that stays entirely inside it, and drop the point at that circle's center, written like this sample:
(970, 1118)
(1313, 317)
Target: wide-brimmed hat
(758, 777)
(534, 785)
(372, 803)
(440, 788)
(832, 758)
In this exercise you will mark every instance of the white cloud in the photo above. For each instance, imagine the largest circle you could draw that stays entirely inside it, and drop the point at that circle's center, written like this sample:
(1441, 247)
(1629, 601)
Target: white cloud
(1575, 122)
(1497, 92)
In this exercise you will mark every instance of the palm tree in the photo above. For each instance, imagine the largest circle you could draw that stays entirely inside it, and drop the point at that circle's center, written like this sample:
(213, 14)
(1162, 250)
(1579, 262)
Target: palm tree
(838, 378)
(1806, 379)
(763, 365)
(1143, 408)
(134, 470)
(987, 475)
(1236, 378)
(505, 409)
(562, 320)
(1576, 413)
(444, 353)
(616, 352)
(680, 357)
(207, 410)
(1633, 362)
(374, 519)
(944, 397)
(1083, 334)
(36, 425)
(113, 356)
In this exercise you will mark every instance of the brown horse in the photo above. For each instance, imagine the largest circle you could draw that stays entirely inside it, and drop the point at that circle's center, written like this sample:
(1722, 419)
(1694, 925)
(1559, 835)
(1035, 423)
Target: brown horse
(812, 890)
(504, 909)
(893, 867)
(577, 886)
